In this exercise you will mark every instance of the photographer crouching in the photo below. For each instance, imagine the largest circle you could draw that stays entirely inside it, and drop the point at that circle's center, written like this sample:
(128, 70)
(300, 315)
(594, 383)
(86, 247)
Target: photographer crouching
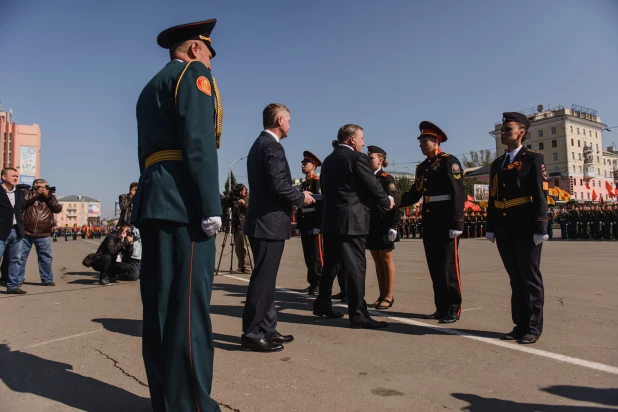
(40, 206)
(108, 259)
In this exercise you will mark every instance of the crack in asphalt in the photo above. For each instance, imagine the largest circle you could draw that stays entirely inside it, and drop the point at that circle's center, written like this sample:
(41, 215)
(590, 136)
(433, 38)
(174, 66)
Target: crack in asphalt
(228, 407)
(119, 368)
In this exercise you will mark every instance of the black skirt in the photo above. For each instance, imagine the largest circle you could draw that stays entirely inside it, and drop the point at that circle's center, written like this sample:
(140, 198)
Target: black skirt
(379, 241)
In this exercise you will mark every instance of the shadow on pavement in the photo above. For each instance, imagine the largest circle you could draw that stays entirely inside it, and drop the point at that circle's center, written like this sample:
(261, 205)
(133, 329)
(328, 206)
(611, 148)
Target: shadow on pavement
(481, 404)
(602, 396)
(133, 327)
(26, 373)
(89, 273)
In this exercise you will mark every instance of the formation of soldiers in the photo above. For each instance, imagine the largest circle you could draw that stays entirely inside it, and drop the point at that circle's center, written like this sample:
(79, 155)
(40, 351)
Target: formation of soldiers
(85, 232)
(411, 226)
(588, 222)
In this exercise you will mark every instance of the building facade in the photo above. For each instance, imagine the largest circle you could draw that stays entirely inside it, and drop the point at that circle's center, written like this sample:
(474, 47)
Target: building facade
(20, 147)
(572, 144)
(78, 210)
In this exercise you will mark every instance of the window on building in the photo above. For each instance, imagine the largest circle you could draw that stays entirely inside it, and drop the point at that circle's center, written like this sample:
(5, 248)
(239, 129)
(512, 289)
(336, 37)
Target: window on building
(604, 162)
(605, 173)
(575, 195)
(555, 156)
(555, 169)
(553, 130)
(580, 156)
(580, 169)
(593, 184)
(578, 130)
(581, 182)
(540, 133)
(578, 144)
(590, 133)
(598, 159)
(557, 182)
(554, 143)
(574, 169)
(541, 146)
(596, 135)
(572, 142)
(588, 195)
(599, 173)
(529, 146)
(571, 129)
(584, 132)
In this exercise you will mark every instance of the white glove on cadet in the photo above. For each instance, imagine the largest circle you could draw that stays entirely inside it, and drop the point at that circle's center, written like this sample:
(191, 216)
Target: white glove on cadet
(490, 236)
(314, 232)
(538, 239)
(392, 235)
(211, 225)
(454, 233)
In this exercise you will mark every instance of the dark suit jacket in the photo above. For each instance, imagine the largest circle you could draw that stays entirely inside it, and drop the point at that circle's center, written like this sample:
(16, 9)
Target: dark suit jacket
(272, 195)
(173, 114)
(348, 186)
(7, 211)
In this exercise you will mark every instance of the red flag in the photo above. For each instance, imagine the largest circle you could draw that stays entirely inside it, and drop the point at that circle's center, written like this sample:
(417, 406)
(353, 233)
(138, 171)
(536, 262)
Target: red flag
(470, 198)
(608, 186)
(601, 199)
(587, 186)
(594, 195)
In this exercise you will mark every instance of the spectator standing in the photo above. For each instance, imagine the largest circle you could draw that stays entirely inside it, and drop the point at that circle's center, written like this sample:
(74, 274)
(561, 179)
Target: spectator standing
(12, 227)
(40, 206)
(126, 205)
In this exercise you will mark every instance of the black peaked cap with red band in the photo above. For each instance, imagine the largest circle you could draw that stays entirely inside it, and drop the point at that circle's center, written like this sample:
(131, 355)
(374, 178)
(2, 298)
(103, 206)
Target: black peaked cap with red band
(515, 117)
(375, 149)
(191, 31)
(430, 129)
(310, 157)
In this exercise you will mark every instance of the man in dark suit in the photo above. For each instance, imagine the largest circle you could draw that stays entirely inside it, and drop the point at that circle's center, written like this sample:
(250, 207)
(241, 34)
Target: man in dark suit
(267, 226)
(12, 227)
(178, 211)
(348, 186)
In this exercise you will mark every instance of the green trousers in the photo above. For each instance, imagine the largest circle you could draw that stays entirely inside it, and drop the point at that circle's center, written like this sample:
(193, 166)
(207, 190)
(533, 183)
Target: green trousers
(176, 284)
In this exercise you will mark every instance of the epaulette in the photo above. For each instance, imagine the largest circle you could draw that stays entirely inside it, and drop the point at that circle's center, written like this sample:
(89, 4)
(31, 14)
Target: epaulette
(314, 177)
(531, 151)
(443, 154)
(384, 174)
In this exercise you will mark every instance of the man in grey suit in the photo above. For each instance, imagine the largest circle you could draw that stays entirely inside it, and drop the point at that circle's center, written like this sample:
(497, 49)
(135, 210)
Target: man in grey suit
(350, 189)
(267, 226)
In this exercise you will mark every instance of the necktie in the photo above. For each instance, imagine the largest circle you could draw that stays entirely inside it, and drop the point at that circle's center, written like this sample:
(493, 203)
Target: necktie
(507, 160)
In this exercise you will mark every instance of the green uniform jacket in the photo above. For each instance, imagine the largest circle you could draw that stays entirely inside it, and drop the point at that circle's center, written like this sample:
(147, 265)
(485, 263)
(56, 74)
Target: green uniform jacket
(174, 114)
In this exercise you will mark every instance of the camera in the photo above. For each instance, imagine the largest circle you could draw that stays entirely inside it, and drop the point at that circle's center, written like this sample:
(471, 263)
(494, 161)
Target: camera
(51, 189)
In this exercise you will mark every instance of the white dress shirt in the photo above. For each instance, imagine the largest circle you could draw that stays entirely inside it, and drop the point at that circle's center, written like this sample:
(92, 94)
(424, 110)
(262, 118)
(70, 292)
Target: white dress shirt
(345, 145)
(273, 135)
(11, 195)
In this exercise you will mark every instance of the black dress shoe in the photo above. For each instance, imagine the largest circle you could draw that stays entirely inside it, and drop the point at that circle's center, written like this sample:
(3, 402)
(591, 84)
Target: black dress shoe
(512, 335)
(279, 338)
(250, 345)
(435, 315)
(104, 281)
(368, 323)
(340, 296)
(528, 339)
(16, 291)
(450, 318)
(313, 290)
(49, 284)
(333, 314)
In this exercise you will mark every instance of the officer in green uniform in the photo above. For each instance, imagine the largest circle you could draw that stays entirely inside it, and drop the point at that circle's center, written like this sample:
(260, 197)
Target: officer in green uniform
(309, 222)
(439, 182)
(178, 211)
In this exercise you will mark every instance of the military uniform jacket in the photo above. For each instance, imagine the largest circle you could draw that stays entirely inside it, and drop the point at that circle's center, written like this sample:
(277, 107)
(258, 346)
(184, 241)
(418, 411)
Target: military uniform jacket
(517, 204)
(176, 111)
(310, 217)
(380, 222)
(441, 175)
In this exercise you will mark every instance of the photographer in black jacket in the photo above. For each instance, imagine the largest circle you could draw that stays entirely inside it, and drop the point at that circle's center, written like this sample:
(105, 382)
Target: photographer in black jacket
(108, 258)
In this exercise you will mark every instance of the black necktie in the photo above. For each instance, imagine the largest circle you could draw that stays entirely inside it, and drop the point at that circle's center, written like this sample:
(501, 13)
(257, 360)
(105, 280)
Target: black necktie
(507, 160)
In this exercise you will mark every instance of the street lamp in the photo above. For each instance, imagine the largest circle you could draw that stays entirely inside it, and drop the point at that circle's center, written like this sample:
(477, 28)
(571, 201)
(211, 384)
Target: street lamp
(229, 173)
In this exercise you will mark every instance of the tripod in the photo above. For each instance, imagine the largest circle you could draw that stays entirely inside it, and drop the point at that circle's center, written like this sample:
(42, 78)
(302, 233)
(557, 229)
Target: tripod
(233, 215)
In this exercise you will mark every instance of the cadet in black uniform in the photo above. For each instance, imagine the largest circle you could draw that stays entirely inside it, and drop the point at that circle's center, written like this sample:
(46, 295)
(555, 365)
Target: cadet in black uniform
(517, 220)
(439, 182)
(309, 221)
(383, 231)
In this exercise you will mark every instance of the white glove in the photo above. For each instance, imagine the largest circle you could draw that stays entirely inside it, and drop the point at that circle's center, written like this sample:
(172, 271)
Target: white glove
(314, 232)
(392, 202)
(490, 236)
(211, 225)
(454, 233)
(392, 235)
(538, 239)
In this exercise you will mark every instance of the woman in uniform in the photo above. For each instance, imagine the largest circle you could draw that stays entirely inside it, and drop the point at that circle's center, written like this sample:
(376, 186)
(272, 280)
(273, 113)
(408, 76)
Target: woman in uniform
(383, 231)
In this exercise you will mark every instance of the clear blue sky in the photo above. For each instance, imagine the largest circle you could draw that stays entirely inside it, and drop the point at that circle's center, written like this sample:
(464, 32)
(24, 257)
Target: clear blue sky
(77, 67)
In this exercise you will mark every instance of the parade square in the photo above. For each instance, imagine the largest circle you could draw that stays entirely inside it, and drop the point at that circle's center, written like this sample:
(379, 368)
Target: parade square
(78, 346)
